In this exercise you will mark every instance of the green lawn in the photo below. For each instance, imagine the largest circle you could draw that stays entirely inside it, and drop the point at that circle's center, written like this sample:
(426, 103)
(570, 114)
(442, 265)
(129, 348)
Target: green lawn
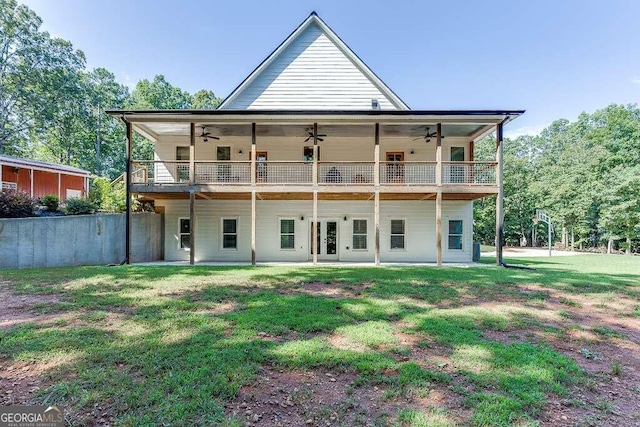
(141, 345)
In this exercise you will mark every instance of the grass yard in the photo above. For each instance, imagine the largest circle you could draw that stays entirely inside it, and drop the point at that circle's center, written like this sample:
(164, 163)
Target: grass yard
(322, 346)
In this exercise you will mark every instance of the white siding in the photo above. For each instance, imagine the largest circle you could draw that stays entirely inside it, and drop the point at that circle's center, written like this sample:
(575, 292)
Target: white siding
(332, 149)
(419, 219)
(311, 73)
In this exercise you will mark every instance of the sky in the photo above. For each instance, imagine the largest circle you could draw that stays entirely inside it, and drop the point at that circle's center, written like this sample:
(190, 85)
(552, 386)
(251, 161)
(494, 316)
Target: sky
(553, 58)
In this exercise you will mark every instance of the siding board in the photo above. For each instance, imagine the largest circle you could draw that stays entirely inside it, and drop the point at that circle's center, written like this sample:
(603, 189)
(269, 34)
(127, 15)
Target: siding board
(311, 73)
(419, 219)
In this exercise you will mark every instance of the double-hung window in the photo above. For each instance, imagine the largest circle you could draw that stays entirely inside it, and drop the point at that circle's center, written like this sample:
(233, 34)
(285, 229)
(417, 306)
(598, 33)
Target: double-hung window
(287, 234)
(184, 237)
(397, 234)
(229, 233)
(455, 234)
(359, 234)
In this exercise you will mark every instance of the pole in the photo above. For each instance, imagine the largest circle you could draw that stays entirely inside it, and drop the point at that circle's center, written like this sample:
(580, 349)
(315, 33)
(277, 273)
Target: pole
(128, 193)
(549, 233)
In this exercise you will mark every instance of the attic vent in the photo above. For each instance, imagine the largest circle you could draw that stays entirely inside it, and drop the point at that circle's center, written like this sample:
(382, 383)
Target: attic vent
(375, 105)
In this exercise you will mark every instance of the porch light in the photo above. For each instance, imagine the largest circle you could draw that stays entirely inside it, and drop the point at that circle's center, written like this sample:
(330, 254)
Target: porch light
(345, 217)
(412, 152)
(302, 218)
(240, 151)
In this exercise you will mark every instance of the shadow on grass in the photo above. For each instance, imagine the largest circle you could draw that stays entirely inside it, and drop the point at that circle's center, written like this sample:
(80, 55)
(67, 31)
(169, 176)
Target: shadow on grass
(154, 347)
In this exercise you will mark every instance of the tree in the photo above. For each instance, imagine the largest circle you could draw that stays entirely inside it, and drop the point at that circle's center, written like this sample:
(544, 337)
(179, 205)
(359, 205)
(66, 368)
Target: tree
(28, 57)
(158, 95)
(621, 205)
(205, 100)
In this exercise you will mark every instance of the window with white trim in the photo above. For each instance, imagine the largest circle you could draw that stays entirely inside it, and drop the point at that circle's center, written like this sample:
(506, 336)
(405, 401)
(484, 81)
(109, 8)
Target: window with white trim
(184, 238)
(229, 233)
(10, 186)
(455, 234)
(359, 234)
(287, 234)
(397, 234)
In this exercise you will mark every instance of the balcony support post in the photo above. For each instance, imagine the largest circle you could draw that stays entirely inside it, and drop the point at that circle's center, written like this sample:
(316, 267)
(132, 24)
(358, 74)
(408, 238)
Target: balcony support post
(192, 226)
(439, 227)
(315, 155)
(439, 194)
(500, 197)
(253, 154)
(314, 228)
(253, 227)
(376, 200)
(376, 210)
(192, 154)
(127, 238)
(376, 157)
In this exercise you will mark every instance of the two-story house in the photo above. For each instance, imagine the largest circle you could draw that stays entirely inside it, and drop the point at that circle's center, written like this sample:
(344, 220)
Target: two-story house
(313, 158)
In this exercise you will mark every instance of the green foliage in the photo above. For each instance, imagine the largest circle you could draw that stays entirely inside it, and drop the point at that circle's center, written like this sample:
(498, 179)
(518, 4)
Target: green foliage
(77, 206)
(586, 174)
(51, 202)
(52, 107)
(16, 205)
(108, 197)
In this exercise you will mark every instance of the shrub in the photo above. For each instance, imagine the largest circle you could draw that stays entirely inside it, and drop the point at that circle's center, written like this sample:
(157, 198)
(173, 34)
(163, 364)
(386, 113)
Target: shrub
(108, 197)
(75, 206)
(51, 202)
(16, 205)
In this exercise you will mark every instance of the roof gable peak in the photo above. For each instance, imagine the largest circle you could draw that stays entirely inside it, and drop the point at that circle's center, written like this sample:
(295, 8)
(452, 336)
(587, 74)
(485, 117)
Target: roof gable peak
(314, 19)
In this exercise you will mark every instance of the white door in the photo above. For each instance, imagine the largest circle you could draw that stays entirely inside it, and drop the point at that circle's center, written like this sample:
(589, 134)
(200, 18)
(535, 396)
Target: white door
(327, 240)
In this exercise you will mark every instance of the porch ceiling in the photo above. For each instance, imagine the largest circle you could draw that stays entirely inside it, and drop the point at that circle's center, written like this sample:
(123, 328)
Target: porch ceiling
(466, 123)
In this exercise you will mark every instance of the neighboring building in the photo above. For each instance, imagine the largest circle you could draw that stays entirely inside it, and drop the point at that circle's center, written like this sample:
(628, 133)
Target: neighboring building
(38, 178)
(313, 150)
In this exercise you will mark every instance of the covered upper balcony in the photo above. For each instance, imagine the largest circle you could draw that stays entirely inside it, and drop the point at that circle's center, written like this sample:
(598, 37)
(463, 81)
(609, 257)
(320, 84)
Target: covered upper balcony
(324, 151)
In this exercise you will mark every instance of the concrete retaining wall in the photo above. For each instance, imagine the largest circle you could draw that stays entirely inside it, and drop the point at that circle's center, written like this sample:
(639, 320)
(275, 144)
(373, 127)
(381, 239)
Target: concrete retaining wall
(78, 240)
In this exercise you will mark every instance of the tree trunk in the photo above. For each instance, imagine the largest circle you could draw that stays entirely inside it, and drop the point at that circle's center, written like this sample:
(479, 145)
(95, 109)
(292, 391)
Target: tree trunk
(572, 239)
(610, 246)
(628, 250)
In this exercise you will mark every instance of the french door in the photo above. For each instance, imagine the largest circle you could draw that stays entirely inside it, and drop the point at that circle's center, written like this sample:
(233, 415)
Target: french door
(327, 248)
(395, 167)
(457, 173)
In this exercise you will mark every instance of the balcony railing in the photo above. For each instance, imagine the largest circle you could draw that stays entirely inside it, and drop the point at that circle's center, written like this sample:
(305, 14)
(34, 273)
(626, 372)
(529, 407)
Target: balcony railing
(329, 173)
(399, 173)
(352, 173)
(469, 173)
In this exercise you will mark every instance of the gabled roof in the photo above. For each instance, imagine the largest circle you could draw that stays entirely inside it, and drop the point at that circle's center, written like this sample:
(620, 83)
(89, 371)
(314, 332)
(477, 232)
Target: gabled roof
(314, 19)
(37, 164)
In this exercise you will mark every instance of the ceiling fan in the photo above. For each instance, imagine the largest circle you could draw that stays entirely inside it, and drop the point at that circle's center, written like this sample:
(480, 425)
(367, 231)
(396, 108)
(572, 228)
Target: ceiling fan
(427, 135)
(320, 136)
(205, 135)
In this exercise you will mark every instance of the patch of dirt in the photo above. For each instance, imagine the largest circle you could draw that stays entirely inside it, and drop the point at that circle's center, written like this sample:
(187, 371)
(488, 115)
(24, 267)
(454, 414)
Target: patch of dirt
(19, 382)
(611, 395)
(334, 289)
(17, 309)
(321, 398)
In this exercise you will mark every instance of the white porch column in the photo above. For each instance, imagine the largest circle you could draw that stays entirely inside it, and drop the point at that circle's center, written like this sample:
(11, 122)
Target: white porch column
(439, 194)
(314, 229)
(376, 200)
(253, 227)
